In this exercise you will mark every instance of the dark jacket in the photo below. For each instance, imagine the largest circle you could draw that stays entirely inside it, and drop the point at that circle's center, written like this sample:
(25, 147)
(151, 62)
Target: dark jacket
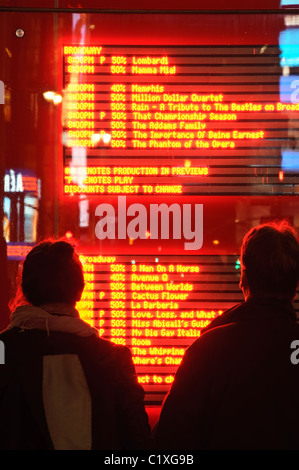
(237, 387)
(64, 391)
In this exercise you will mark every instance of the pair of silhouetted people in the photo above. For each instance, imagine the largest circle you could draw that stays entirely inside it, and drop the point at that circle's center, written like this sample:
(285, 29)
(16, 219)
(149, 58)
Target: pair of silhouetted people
(62, 387)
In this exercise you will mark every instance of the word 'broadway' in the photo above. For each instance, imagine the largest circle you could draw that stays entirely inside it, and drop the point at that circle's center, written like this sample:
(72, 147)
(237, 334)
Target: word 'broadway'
(187, 222)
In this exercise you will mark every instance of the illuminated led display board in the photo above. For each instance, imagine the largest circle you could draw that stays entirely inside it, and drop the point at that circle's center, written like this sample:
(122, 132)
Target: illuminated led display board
(176, 120)
(157, 306)
(151, 134)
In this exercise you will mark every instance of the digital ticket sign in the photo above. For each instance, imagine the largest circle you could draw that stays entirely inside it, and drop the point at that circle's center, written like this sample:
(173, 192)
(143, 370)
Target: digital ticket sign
(175, 120)
(157, 139)
(157, 306)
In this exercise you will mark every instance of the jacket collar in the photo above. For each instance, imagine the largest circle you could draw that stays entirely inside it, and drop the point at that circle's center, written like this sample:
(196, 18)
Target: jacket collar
(254, 310)
(268, 308)
(51, 317)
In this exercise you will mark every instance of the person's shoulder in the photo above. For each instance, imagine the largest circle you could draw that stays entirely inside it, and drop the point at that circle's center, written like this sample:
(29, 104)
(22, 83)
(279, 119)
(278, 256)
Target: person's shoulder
(213, 338)
(115, 359)
(228, 316)
(109, 345)
(106, 347)
(9, 335)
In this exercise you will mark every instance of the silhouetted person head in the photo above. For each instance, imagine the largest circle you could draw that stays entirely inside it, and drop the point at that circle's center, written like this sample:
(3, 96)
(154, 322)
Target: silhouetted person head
(52, 272)
(270, 262)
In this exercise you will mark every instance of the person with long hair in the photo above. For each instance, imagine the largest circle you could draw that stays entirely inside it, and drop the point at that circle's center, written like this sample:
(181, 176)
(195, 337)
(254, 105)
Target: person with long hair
(62, 387)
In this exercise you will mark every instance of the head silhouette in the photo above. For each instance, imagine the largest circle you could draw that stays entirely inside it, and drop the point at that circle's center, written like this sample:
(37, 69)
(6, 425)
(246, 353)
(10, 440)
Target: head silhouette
(52, 272)
(270, 262)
